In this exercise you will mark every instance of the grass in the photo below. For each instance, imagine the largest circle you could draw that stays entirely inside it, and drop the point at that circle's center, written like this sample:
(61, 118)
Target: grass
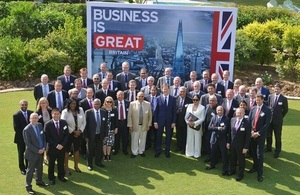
(256, 2)
(177, 175)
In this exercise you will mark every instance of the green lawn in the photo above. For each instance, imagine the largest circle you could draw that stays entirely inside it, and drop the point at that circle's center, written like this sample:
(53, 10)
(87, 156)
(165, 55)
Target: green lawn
(256, 2)
(149, 175)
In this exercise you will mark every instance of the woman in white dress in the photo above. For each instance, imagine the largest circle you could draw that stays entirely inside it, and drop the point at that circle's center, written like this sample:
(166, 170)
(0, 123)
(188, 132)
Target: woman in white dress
(194, 117)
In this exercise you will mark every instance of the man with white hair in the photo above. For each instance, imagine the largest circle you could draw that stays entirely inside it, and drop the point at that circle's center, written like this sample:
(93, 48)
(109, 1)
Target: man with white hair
(262, 90)
(167, 78)
(125, 76)
(42, 89)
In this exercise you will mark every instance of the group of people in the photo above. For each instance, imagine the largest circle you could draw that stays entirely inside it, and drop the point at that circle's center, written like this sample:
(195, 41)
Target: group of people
(99, 117)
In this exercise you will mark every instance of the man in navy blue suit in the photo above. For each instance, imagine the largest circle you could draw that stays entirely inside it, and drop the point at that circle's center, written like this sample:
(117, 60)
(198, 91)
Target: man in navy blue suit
(67, 80)
(262, 90)
(259, 117)
(164, 117)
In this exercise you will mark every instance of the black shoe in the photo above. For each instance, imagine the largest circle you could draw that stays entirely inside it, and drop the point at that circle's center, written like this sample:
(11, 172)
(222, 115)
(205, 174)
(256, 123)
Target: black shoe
(224, 173)
(168, 155)
(157, 155)
(52, 182)
(207, 159)
(260, 179)
(239, 177)
(90, 168)
(42, 184)
(143, 155)
(231, 173)
(268, 150)
(252, 170)
(132, 156)
(23, 172)
(62, 179)
(108, 158)
(100, 165)
(210, 167)
(125, 152)
(30, 190)
(115, 152)
(276, 155)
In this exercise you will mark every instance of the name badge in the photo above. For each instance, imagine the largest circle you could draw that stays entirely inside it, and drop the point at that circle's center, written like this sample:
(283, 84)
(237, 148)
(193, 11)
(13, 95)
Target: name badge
(219, 91)
(80, 116)
(42, 132)
(127, 109)
(112, 114)
(280, 103)
(262, 114)
(246, 116)
(40, 116)
(71, 84)
(234, 108)
(212, 114)
(103, 119)
(242, 128)
(222, 124)
(116, 89)
(186, 105)
(65, 127)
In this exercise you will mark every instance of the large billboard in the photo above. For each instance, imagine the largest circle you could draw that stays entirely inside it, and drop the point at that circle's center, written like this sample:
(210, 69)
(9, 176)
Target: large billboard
(184, 38)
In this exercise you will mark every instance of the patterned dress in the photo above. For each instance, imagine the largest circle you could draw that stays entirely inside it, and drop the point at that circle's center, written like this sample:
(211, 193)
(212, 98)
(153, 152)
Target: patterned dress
(111, 137)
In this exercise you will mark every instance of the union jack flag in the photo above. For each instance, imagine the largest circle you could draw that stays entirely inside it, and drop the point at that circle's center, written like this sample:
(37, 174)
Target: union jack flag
(222, 47)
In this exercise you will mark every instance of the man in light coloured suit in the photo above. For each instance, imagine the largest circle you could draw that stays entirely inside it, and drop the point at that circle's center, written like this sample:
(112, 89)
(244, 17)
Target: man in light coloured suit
(139, 122)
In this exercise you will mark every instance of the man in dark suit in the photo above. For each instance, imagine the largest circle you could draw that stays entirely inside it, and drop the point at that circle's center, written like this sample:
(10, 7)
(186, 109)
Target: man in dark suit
(262, 90)
(259, 118)
(20, 121)
(35, 142)
(164, 118)
(189, 85)
(238, 143)
(205, 80)
(104, 91)
(219, 125)
(152, 132)
(123, 131)
(57, 134)
(141, 81)
(113, 84)
(229, 104)
(125, 76)
(210, 91)
(226, 82)
(132, 92)
(96, 83)
(85, 80)
(103, 70)
(218, 87)
(42, 89)
(242, 94)
(94, 133)
(182, 102)
(251, 101)
(279, 105)
(167, 78)
(67, 80)
(57, 97)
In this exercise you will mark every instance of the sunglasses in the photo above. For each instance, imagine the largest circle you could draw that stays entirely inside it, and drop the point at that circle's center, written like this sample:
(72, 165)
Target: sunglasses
(195, 100)
(108, 101)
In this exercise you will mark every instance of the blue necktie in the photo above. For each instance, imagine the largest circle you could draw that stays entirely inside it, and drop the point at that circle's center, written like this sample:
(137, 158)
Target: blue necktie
(98, 123)
(176, 89)
(166, 102)
(59, 101)
(38, 134)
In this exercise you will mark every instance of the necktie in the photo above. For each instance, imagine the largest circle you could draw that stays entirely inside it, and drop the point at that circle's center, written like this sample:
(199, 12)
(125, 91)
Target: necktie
(68, 80)
(98, 123)
(57, 128)
(45, 90)
(91, 104)
(59, 101)
(237, 124)
(256, 118)
(25, 116)
(38, 134)
(152, 103)
(168, 81)
(228, 107)
(132, 97)
(84, 83)
(225, 85)
(105, 91)
(166, 103)
(275, 102)
(126, 78)
(251, 103)
(103, 75)
(192, 86)
(96, 87)
(219, 120)
(109, 86)
(140, 114)
(181, 103)
(176, 89)
(121, 111)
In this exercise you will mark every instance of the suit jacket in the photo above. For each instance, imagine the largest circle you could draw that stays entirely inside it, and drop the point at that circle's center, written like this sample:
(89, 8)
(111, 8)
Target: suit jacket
(52, 98)
(91, 123)
(192, 93)
(116, 86)
(263, 120)
(113, 119)
(20, 123)
(162, 80)
(265, 92)
(125, 106)
(53, 138)
(127, 95)
(85, 104)
(248, 100)
(172, 90)
(81, 93)
(121, 78)
(209, 113)
(146, 90)
(234, 106)
(215, 124)
(180, 111)
(203, 86)
(240, 137)
(204, 100)
(89, 81)
(67, 85)
(139, 83)
(102, 76)
(165, 115)
(38, 90)
(94, 88)
(220, 89)
(69, 118)
(279, 108)
(101, 95)
(40, 113)
(229, 85)
(153, 104)
(188, 85)
(240, 98)
(32, 142)
(133, 115)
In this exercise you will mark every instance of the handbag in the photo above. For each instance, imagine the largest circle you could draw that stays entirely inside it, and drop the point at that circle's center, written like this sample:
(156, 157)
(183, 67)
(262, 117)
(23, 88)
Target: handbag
(193, 118)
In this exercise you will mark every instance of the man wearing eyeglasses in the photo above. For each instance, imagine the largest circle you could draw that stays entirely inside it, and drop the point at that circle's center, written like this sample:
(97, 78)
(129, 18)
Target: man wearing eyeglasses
(141, 81)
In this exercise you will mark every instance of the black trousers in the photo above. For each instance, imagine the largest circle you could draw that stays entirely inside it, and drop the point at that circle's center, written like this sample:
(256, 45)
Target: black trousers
(257, 149)
(219, 146)
(237, 157)
(94, 151)
(277, 129)
(181, 133)
(23, 163)
(59, 156)
(123, 134)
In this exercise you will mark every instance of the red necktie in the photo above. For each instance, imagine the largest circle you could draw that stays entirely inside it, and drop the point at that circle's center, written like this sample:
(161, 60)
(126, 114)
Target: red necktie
(91, 104)
(256, 118)
(121, 112)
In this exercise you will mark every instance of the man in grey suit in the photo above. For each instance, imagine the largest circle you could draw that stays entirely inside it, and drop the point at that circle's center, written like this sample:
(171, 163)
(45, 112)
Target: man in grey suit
(190, 84)
(165, 79)
(35, 141)
(125, 76)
